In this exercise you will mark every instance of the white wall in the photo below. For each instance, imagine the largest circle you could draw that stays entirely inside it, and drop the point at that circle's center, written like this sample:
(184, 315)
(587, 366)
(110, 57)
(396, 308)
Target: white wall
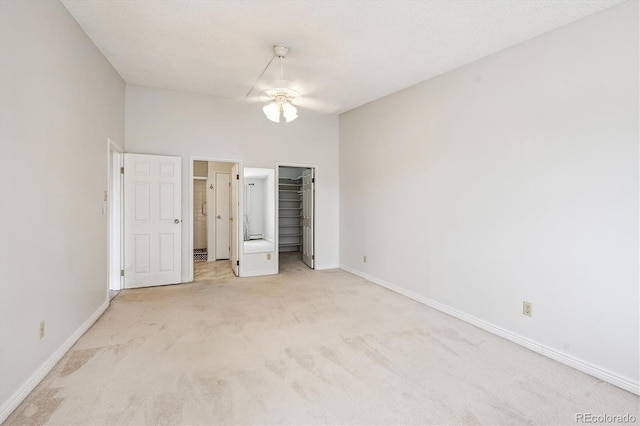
(270, 208)
(60, 101)
(512, 178)
(185, 124)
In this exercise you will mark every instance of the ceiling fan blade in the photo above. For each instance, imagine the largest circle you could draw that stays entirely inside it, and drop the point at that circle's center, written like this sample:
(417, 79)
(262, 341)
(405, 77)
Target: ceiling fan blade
(254, 99)
(314, 104)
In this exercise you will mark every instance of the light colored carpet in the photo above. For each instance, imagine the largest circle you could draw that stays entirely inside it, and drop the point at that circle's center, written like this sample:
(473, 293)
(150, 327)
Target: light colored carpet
(303, 347)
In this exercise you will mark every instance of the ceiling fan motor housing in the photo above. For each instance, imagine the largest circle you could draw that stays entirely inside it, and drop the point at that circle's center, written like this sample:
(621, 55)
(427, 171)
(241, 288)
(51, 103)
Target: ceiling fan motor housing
(281, 50)
(281, 93)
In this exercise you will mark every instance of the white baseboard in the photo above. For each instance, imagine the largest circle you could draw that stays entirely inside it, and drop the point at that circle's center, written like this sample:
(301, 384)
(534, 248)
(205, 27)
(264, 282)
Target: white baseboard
(581, 365)
(258, 273)
(327, 266)
(25, 389)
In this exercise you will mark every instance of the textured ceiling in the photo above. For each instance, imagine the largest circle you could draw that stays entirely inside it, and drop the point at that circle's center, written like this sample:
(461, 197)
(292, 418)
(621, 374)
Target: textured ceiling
(343, 53)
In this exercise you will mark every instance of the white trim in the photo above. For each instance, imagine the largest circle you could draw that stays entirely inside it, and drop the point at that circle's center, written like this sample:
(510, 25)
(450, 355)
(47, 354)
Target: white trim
(324, 267)
(258, 273)
(114, 147)
(28, 385)
(579, 364)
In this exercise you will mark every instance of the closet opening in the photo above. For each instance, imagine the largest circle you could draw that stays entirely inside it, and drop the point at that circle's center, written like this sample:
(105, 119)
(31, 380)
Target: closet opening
(214, 218)
(296, 206)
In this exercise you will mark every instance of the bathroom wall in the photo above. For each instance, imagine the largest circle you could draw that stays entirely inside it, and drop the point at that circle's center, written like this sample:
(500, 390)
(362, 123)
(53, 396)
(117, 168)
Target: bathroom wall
(200, 213)
(200, 168)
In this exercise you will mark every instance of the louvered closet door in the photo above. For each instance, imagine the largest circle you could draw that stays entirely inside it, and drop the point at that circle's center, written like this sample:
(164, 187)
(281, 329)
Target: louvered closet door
(153, 228)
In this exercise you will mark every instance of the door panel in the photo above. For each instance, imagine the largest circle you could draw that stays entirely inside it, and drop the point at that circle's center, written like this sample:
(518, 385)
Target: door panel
(166, 251)
(222, 215)
(152, 194)
(166, 201)
(307, 217)
(142, 202)
(142, 254)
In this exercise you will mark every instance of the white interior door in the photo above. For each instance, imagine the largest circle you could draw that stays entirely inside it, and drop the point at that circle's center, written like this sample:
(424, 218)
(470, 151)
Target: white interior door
(223, 191)
(153, 229)
(307, 217)
(235, 176)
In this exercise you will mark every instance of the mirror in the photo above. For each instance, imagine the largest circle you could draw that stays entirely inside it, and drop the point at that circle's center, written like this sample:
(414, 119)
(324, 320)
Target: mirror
(258, 225)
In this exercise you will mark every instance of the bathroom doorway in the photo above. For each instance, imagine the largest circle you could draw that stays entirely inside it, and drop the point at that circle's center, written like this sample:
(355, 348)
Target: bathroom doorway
(296, 223)
(214, 216)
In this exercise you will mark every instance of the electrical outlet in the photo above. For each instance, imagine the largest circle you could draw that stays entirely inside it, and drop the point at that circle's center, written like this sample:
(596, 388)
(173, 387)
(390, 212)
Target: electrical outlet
(268, 256)
(527, 309)
(41, 329)
(365, 259)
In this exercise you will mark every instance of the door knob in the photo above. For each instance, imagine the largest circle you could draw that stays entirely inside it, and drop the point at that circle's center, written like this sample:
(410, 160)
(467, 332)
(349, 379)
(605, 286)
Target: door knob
(176, 220)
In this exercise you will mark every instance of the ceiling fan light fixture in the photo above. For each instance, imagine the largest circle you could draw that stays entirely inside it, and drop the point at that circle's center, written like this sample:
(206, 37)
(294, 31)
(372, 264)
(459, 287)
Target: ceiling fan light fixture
(280, 105)
(289, 111)
(272, 111)
(280, 108)
(280, 98)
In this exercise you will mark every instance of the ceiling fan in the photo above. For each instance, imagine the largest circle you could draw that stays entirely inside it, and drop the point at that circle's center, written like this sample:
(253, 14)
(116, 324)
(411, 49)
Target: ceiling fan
(281, 100)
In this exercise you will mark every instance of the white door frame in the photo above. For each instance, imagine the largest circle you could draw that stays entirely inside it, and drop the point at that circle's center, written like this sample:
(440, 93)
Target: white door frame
(190, 212)
(235, 211)
(315, 221)
(115, 219)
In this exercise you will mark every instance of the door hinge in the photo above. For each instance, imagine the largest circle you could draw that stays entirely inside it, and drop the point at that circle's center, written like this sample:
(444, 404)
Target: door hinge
(229, 184)
(237, 177)
(237, 263)
(122, 272)
(313, 257)
(313, 180)
(121, 170)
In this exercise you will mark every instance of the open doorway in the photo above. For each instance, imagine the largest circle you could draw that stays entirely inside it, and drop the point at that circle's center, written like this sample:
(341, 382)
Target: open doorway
(296, 206)
(214, 219)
